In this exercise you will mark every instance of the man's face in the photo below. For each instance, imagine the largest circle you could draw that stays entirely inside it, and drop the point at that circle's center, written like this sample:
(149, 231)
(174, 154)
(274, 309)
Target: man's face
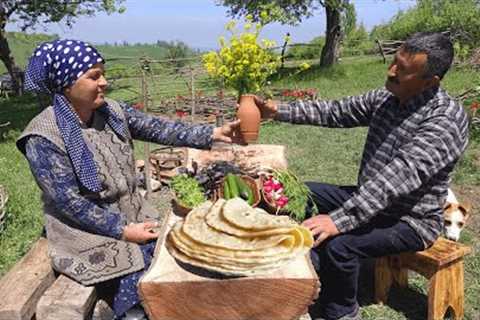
(405, 76)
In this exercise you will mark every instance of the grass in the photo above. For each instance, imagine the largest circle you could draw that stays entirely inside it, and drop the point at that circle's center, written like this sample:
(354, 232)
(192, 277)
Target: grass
(320, 154)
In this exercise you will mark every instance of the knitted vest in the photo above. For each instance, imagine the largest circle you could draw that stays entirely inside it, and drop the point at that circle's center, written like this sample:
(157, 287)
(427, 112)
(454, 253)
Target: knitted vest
(86, 257)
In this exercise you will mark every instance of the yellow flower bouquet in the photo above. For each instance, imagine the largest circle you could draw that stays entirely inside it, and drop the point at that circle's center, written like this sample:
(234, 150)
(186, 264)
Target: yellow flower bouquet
(245, 63)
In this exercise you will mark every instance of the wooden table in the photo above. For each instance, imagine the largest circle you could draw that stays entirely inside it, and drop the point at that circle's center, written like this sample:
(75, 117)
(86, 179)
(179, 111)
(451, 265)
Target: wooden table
(174, 291)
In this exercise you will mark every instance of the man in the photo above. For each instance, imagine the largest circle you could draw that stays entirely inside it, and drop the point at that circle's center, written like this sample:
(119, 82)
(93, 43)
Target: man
(417, 132)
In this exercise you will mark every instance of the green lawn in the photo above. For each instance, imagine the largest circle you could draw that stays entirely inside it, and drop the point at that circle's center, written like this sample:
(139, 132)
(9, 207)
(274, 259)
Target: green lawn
(328, 155)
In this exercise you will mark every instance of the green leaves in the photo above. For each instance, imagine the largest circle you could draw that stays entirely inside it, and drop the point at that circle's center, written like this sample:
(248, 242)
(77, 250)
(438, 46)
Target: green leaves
(29, 13)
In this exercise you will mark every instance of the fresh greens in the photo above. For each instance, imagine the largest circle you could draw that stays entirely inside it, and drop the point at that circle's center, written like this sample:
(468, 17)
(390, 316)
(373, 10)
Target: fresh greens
(297, 192)
(187, 190)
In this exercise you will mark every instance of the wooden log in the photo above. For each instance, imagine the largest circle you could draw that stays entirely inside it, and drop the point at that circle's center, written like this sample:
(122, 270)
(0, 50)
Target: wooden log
(250, 156)
(66, 299)
(23, 286)
(175, 292)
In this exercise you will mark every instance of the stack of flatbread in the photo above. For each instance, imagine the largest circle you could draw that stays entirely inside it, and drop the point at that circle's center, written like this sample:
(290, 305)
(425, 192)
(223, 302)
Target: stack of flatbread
(233, 238)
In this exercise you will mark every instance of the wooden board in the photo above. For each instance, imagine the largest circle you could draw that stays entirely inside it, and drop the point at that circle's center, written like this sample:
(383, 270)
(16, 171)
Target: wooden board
(442, 252)
(66, 299)
(175, 292)
(24, 284)
(253, 155)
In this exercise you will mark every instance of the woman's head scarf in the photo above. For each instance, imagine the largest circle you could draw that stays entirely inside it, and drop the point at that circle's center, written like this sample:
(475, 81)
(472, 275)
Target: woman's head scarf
(53, 67)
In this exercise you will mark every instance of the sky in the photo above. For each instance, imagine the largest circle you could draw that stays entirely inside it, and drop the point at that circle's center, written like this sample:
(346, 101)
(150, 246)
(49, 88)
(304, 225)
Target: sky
(199, 23)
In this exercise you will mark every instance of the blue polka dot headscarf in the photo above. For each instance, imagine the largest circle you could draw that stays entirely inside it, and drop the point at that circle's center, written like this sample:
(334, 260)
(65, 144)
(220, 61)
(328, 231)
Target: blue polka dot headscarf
(53, 67)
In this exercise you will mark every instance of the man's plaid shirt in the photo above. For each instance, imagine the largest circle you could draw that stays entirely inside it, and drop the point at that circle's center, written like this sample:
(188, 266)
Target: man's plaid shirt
(409, 153)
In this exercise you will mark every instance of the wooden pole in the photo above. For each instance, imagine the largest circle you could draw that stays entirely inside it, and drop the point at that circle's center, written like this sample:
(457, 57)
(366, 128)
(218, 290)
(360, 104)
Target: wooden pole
(193, 93)
(146, 145)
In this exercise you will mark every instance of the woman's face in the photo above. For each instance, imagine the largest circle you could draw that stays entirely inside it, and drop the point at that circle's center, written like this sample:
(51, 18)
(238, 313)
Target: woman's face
(89, 90)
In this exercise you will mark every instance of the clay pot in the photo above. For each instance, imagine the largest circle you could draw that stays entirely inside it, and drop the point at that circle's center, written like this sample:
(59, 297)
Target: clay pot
(250, 117)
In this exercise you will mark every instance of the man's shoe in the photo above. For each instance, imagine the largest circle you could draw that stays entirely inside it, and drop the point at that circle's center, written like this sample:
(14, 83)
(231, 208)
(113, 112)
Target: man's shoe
(354, 315)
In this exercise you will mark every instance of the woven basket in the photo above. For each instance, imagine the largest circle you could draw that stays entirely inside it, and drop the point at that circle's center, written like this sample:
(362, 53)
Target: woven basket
(268, 204)
(251, 183)
(181, 210)
(3, 206)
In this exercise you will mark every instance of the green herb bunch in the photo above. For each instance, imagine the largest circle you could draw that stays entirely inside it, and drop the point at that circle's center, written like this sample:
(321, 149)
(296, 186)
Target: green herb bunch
(187, 190)
(297, 192)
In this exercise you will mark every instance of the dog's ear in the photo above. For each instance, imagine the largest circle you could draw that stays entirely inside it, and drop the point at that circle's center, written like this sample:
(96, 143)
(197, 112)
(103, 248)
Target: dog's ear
(447, 205)
(465, 207)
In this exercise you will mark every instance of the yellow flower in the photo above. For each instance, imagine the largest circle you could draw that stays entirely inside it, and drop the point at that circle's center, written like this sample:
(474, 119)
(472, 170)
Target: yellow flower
(264, 15)
(244, 63)
(304, 66)
(230, 26)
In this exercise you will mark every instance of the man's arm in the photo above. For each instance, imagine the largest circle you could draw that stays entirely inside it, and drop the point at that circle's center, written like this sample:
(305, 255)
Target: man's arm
(438, 142)
(348, 112)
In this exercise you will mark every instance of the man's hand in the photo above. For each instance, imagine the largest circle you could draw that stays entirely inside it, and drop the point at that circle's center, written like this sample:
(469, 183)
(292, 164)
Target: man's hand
(268, 108)
(228, 132)
(322, 226)
(140, 232)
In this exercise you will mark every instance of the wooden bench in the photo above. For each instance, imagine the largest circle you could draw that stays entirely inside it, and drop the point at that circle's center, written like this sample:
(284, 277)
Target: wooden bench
(441, 264)
(32, 289)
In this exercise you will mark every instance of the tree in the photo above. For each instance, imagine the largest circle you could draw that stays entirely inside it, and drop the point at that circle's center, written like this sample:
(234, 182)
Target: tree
(292, 12)
(27, 13)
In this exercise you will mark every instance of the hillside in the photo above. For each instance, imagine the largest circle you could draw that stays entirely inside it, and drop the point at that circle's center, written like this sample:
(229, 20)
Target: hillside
(22, 46)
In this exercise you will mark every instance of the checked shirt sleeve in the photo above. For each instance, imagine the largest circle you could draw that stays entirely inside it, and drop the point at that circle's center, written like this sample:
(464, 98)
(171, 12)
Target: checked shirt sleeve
(55, 177)
(345, 113)
(175, 133)
(438, 142)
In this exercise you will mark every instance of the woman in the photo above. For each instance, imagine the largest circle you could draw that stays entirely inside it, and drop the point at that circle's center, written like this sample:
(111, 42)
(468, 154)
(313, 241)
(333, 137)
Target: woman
(80, 153)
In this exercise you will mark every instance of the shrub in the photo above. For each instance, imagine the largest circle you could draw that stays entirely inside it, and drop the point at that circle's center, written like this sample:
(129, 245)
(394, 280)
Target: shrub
(312, 51)
(460, 17)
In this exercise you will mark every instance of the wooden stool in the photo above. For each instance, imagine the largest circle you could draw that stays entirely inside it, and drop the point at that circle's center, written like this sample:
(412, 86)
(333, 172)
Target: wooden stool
(441, 264)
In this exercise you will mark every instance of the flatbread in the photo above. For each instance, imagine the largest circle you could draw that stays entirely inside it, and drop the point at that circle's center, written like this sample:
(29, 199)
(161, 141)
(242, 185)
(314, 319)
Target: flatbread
(241, 258)
(215, 220)
(224, 269)
(207, 239)
(196, 228)
(238, 213)
(180, 236)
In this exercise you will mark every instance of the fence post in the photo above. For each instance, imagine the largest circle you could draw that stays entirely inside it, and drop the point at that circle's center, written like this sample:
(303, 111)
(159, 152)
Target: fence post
(284, 47)
(146, 145)
(381, 50)
(193, 92)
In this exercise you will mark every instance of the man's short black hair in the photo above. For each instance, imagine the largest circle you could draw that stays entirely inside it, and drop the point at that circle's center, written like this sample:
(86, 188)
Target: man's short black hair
(439, 50)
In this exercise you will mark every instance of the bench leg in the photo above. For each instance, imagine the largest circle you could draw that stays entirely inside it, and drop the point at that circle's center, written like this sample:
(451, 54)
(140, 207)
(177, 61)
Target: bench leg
(446, 290)
(387, 273)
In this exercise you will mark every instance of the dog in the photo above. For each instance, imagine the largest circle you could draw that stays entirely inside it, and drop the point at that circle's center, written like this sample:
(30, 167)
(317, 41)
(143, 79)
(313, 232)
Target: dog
(455, 216)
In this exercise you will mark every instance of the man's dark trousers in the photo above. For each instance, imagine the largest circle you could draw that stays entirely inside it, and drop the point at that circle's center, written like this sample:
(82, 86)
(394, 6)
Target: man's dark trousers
(337, 259)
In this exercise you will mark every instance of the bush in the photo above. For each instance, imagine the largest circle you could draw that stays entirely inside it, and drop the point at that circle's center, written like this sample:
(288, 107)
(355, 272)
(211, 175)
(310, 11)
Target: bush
(358, 42)
(460, 17)
(312, 51)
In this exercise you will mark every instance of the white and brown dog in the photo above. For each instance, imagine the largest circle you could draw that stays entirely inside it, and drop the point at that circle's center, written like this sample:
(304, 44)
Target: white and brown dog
(455, 216)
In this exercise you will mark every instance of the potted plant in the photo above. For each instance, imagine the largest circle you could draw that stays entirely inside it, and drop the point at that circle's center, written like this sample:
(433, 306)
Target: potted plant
(244, 64)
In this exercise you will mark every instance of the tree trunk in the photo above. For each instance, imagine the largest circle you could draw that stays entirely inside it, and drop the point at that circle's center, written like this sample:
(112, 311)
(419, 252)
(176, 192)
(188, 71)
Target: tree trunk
(329, 54)
(8, 60)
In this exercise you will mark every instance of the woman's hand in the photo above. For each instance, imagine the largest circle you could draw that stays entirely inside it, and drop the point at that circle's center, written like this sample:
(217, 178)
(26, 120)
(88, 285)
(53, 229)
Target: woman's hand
(268, 108)
(140, 232)
(227, 133)
(322, 227)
